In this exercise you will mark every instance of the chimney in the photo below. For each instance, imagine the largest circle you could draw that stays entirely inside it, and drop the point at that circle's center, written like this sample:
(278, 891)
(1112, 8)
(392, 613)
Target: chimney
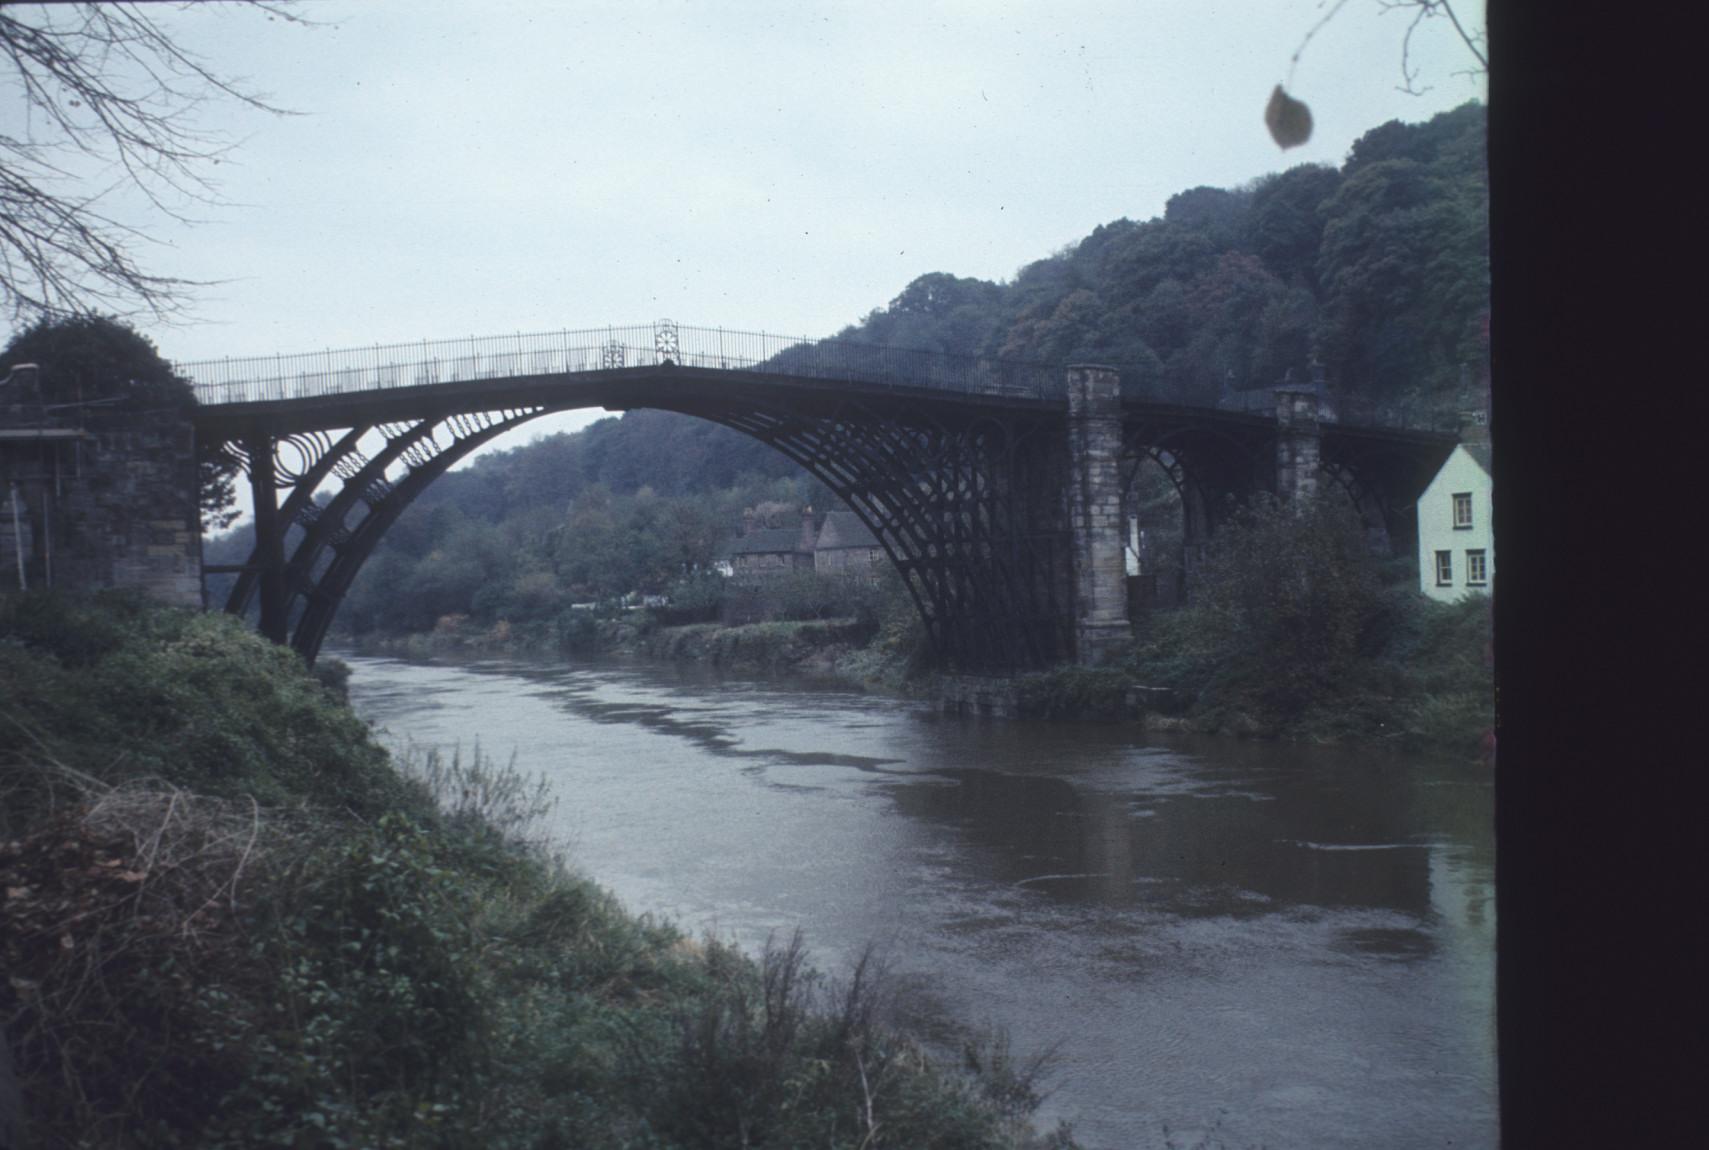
(747, 521)
(806, 543)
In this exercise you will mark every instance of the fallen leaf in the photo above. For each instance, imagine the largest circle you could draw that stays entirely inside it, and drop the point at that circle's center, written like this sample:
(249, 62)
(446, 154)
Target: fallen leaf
(17, 892)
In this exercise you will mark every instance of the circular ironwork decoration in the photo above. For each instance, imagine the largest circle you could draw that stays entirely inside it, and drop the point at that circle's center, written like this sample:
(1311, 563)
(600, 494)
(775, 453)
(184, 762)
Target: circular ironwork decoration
(295, 455)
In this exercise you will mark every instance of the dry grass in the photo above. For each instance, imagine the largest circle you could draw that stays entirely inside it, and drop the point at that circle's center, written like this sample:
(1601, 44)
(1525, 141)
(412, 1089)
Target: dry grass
(110, 912)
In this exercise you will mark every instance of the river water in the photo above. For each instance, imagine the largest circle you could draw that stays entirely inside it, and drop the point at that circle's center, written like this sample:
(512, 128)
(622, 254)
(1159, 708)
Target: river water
(1230, 944)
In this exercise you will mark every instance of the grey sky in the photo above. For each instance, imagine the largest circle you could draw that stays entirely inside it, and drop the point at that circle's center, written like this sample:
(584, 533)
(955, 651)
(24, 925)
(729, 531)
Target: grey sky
(481, 168)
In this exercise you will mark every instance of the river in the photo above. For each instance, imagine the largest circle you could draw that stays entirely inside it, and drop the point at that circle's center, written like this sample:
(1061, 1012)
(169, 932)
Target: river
(1230, 944)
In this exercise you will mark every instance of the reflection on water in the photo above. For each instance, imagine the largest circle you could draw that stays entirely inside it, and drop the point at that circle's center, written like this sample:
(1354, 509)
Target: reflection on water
(1290, 947)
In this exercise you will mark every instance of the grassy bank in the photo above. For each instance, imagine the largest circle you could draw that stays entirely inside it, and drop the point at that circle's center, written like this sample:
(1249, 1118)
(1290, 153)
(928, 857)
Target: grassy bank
(230, 920)
(851, 650)
(1418, 678)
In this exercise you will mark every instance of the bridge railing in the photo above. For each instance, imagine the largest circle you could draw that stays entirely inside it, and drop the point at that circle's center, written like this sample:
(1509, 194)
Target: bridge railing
(309, 375)
(382, 367)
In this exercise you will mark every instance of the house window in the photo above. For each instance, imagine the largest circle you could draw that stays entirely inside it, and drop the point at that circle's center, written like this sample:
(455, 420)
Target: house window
(1444, 568)
(1463, 509)
(1477, 573)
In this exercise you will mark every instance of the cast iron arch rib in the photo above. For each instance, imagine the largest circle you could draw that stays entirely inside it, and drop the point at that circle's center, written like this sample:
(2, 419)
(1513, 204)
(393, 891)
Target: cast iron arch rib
(293, 509)
(912, 481)
(932, 491)
(326, 593)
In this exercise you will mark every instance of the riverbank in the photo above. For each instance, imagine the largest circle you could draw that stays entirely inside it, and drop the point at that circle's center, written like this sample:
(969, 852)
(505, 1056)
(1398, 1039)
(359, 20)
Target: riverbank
(848, 651)
(231, 919)
(1421, 681)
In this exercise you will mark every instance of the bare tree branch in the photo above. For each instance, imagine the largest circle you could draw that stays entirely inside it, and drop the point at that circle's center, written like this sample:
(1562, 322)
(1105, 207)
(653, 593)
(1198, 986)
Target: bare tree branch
(1422, 10)
(104, 90)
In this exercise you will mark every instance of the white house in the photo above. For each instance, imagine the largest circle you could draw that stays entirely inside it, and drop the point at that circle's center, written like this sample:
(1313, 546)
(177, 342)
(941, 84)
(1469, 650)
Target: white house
(1456, 546)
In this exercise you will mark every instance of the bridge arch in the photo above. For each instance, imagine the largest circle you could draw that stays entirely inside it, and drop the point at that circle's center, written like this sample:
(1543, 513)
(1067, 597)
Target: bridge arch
(938, 488)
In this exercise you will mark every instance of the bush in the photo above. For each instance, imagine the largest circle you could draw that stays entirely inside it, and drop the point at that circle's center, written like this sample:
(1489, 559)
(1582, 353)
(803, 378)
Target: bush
(1281, 604)
(1075, 693)
(333, 674)
(577, 631)
(696, 599)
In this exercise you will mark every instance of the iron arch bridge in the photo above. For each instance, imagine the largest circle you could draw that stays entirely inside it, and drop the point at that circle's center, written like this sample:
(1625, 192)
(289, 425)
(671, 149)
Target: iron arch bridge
(978, 476)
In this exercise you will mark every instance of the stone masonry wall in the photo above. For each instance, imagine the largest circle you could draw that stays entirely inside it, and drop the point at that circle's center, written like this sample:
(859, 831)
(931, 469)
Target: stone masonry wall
(127, 511)
(1095, 512)
(1297, 444)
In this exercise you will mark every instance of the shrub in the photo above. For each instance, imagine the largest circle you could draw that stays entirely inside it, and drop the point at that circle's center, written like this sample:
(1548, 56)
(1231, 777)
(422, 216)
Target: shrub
(1075, 693)
(1282, 602)
(1297, 629)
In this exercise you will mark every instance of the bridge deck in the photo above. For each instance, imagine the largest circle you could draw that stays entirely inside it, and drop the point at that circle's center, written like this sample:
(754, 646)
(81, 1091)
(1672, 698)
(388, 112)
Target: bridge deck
(656, 365)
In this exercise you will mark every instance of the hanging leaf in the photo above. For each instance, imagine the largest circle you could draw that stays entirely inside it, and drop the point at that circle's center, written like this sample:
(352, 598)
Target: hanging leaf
(1288, 119)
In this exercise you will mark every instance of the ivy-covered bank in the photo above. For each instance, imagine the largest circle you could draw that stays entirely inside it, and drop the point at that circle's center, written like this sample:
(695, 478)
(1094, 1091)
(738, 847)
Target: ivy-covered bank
(229, 919)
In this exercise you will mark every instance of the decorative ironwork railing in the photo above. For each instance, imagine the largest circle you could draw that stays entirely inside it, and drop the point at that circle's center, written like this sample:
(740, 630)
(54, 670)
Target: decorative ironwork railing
(310, 375)
(314, 374)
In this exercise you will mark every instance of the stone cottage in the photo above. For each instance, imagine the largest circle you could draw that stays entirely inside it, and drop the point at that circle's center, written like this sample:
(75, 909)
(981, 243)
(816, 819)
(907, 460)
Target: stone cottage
(846, 547)
(769, 547)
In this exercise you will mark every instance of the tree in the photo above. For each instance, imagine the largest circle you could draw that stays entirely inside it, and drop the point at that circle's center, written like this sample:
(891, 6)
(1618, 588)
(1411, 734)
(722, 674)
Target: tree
(107, 96)
(1404, 269)
(97, 359)
(1285, 597)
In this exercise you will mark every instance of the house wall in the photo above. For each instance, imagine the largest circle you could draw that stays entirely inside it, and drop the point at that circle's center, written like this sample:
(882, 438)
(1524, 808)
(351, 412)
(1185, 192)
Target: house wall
(770, 564)
(1436, 530)
(862, 561)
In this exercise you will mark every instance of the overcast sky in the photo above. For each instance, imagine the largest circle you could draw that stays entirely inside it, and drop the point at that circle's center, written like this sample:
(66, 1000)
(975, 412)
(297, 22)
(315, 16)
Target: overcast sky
(497, 166)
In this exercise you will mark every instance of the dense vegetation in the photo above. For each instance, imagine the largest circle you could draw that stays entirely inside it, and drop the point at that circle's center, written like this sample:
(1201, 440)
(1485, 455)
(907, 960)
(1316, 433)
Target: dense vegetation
(1297, 629)
(1378, 268)
(229, 920)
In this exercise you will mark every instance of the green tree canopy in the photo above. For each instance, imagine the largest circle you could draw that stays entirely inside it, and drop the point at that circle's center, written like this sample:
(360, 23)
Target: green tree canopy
(88, 359)
(100, 361)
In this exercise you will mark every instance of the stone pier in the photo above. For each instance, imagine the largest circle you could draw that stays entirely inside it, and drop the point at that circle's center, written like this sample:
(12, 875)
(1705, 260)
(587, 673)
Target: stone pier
(1298, 440)
(97, 497)
(1101, 629)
